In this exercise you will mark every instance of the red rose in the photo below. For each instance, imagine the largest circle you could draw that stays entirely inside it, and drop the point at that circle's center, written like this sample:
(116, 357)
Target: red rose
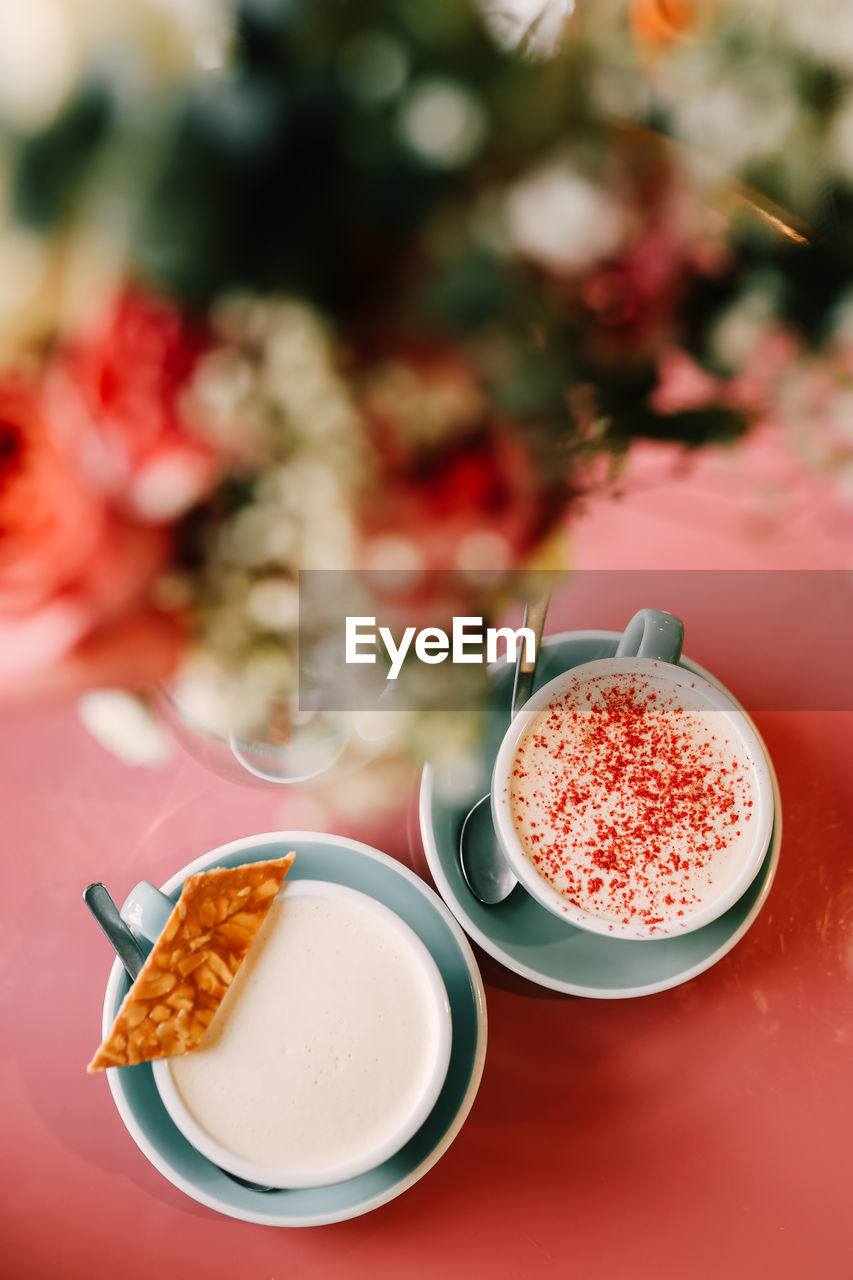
(460, 489)
(475, 503)
(75, 575)
(115, 398)
(630, 306)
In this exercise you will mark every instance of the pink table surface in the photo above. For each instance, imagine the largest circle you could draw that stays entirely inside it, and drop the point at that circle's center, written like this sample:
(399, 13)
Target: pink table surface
(702, 1132)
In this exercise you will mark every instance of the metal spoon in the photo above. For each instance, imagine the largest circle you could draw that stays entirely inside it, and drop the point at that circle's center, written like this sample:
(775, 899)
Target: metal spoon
(123, 942)
(484, 867)
(97, 899)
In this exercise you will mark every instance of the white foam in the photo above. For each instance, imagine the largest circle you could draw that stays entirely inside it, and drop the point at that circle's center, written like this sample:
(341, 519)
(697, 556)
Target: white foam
(634, 798)
(321, 1046)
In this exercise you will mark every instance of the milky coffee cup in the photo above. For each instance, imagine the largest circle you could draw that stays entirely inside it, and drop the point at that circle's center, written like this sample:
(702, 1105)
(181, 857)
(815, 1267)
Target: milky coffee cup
(295, 1083)
(616, 782)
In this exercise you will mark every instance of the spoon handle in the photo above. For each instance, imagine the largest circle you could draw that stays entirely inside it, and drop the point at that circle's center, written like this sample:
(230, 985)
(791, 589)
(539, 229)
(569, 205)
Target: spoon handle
(525, 669)
(105, 911)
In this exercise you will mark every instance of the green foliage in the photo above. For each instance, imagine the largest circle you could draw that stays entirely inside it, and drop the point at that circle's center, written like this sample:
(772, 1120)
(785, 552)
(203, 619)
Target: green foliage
(294, 170)
(51, 167)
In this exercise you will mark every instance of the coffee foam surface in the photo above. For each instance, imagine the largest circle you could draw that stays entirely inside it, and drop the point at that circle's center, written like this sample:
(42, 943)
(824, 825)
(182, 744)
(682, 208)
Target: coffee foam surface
(322, 1045)
(634, 798)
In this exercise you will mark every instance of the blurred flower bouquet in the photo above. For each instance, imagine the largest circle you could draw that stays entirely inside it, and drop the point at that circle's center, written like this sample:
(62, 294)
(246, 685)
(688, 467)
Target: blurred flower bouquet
(292, 284)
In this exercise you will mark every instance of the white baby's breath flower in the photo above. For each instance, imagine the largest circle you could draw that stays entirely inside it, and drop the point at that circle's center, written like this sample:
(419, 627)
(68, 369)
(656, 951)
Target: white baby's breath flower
(276, 367)
(24, 265)
(823, 29)
(335, 421)
(733, 120)
(47, 46)
(42, 53)
(560, 218)
(295, 336)
(202, 693)
(739, 331)
(246, 537)
(535, 26)
(191, 34)
(221, 385)
(442, 122)
(306, 484)
(299, 389)
(328, 539)
(125, 725)
(167, 486)
(273, 603)
(282, 541)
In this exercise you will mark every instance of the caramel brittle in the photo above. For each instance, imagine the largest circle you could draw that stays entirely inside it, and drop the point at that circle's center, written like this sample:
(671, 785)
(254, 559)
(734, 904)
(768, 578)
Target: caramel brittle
(192, 964)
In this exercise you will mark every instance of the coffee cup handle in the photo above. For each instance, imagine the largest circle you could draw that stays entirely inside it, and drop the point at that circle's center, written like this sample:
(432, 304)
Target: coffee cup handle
(651, 633)
(146, 910)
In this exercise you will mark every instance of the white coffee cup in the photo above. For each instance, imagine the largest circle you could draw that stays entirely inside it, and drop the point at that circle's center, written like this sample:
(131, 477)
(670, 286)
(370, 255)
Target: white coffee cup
(329, 1050)
(576, 849)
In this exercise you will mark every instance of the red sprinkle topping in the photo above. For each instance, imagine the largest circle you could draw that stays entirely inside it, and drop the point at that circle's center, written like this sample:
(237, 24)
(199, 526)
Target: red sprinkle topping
(626, 802)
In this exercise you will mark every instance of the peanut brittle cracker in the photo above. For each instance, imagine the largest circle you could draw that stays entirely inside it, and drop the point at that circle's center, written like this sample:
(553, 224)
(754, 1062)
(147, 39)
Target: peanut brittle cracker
(192, 964)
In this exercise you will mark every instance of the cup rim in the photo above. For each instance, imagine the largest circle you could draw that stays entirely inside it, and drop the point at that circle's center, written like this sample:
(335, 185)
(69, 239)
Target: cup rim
(549, 897)
(280, 1175)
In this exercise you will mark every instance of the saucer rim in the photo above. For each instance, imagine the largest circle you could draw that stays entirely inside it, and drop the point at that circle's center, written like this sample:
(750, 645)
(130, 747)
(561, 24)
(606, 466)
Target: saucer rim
(396, 1187)
(433, 859)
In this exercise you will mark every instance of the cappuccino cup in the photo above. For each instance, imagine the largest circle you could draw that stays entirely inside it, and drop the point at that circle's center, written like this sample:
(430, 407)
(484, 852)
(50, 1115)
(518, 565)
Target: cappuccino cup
(329, 1049)
(632, 797)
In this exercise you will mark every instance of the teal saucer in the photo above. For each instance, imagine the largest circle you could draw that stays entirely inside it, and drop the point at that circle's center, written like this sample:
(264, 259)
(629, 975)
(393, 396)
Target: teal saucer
(521, 934)
(333, 858)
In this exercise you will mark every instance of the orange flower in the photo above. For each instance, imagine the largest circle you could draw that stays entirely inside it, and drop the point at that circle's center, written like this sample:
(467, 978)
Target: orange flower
(657, 24)
(75, 575)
